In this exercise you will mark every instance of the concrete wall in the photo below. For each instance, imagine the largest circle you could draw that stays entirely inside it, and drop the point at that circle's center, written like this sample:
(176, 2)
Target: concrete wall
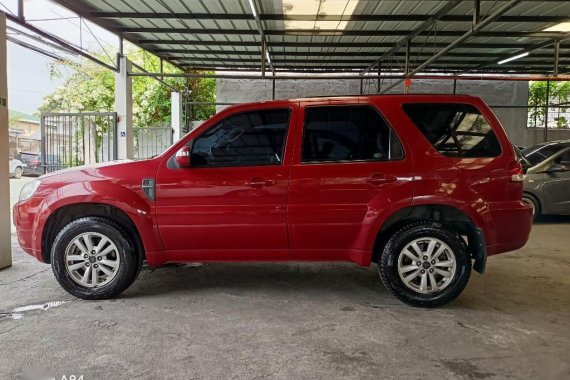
(495, 93)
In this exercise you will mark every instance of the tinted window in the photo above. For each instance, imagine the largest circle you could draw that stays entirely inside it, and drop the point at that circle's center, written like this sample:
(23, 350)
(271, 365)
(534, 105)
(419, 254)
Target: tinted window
(565, 158)
(252, 138)
(537, 154)
(348, 133)
(455, 130)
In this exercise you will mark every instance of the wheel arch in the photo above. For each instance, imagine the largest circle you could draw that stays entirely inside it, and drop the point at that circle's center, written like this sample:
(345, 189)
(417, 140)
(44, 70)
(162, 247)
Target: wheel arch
(451, 216)
(536, 198)
(67, 213)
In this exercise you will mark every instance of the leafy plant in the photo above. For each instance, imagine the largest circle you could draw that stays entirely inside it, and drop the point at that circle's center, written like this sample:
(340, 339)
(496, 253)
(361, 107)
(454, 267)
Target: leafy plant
(91, 88)
(559, 93)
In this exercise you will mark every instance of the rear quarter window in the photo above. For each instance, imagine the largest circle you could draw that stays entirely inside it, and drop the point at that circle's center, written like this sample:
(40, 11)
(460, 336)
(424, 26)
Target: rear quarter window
(455, 130)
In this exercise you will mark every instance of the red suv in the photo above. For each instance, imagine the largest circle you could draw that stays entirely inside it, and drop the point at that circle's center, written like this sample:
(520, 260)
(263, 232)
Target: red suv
(424, 186)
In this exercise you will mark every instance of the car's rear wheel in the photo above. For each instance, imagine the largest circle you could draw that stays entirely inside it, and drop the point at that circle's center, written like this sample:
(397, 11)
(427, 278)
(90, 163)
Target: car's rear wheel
(92, 258)
(425, 264)
(532, 202)
(18, 172)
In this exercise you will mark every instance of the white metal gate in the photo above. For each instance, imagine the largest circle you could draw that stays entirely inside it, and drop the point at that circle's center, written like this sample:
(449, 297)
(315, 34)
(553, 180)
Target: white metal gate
(73, 139)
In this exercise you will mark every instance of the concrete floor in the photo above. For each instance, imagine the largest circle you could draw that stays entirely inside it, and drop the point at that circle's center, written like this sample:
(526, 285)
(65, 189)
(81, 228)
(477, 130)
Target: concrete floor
(287, 321)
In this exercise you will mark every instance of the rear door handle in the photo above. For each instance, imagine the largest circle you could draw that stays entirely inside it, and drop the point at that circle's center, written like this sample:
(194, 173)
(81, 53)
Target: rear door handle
(381, 179)
(260, 182)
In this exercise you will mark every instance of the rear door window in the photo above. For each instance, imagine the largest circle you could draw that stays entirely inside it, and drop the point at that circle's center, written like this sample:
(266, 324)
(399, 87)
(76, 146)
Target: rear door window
(455, 130)
(348, 133)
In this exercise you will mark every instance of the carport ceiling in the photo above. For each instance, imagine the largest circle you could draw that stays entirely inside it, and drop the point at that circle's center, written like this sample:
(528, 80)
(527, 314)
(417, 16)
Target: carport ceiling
(339, 35)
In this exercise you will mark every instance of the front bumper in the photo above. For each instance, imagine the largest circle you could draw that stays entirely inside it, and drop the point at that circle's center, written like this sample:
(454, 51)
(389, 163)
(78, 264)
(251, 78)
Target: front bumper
(25, 220)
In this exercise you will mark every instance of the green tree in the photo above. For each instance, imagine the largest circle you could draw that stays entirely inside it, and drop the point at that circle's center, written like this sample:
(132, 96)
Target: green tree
(91, 88)
(559, 93)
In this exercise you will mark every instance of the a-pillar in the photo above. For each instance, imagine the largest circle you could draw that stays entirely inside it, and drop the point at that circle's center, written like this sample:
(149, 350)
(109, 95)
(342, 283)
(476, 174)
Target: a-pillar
(5, 226)
(176, 115)
(124, 109)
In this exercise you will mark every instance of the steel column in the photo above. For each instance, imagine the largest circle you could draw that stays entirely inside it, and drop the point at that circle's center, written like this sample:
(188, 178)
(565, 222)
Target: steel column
(378, 81)
(476, 12)
(546, 109)
(556, 57)
(21, 10)
(259, 25)
(124, 109)
(176, 115)
(263, 53)
(273, 88)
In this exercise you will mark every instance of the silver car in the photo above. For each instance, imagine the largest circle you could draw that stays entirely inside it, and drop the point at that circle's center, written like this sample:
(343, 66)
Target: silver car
(547, 178)
(16, 167)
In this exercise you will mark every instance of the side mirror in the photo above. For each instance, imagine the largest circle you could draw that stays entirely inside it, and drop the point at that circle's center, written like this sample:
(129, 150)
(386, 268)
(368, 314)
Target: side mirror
(183, 157)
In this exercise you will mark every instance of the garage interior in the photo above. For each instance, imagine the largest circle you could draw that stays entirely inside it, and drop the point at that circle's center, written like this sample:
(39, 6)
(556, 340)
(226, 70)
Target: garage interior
(308, 320)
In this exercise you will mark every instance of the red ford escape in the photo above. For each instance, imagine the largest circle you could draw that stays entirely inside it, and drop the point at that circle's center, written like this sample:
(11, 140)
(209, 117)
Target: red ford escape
(426, 187)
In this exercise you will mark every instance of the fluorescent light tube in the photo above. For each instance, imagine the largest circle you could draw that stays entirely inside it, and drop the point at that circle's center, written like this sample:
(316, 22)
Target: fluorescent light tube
(253, 8)
(513, 58)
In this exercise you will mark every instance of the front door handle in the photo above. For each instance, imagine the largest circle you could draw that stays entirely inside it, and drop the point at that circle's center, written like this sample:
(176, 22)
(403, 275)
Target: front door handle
(381, 179)
(260, 182)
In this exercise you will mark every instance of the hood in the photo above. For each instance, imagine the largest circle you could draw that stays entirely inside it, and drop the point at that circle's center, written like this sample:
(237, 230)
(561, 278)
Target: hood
(113, 170)
(85, 168)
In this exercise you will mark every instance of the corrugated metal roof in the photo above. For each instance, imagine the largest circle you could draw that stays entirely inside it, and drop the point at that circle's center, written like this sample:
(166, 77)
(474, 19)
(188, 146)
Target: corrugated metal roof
(224, 34)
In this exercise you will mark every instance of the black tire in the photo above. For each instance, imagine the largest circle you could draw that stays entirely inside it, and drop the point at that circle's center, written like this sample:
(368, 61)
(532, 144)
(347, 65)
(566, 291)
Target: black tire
(531, 201)
(388, 264)
(129, 266)
(18, 172)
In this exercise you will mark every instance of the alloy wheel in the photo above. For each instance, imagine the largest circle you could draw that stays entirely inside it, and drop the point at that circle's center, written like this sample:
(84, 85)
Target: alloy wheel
(426, 265)
(92, 259)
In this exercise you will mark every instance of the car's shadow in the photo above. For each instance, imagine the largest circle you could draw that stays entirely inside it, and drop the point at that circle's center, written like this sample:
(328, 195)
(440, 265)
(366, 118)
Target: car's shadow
(553, 219)
(510, 292)
(256, 276)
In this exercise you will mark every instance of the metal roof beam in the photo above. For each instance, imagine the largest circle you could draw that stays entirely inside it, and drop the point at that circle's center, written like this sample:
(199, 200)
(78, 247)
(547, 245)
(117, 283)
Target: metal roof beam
(350, 63)
(356, 70)
(36, 49)
(342, 76)
(474, 31)
(64, 44)
(420, 30)
(528, 49)
(282, 17)
(438, 45)
(83, 9)
(404, 33)
(172, 54)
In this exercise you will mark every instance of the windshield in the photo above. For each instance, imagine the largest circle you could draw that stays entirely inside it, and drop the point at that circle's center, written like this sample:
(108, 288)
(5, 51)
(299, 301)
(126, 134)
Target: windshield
(539, 153)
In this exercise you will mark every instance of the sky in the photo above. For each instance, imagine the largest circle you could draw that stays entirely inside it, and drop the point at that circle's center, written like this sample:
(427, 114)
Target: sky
(29, 72)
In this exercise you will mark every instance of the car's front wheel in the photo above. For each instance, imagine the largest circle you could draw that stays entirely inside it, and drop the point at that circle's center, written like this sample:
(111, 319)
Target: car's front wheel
(425, 264)
(92, 258)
